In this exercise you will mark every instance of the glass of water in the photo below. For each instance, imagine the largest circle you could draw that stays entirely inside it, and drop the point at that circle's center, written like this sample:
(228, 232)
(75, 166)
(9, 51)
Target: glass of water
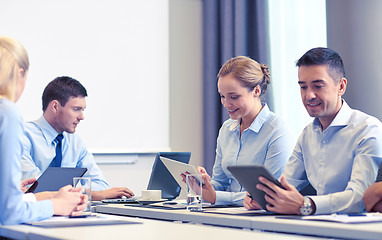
(85, 184)
(194, 192)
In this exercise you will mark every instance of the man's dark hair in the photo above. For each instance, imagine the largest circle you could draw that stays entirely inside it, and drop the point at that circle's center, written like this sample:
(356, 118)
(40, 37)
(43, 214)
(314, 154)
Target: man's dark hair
(324, 56)
(61, 89)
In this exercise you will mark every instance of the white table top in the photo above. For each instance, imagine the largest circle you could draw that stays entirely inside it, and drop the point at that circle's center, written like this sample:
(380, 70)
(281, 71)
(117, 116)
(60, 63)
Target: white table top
(149, 229)
(268, 223)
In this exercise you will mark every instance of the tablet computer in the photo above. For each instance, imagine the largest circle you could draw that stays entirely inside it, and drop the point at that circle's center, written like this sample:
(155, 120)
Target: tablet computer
(161, 178)
(55, 178)
(176, 168)
(248, 177)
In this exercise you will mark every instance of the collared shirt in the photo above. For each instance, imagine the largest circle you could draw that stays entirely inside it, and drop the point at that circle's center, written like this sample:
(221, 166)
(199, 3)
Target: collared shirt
(379, 176)
(13, 210)
(340, 162)
(266, 142)
(29, 197)
(40, 149)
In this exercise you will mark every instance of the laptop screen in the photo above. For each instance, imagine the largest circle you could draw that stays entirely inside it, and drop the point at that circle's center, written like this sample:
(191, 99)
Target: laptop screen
(161, 178)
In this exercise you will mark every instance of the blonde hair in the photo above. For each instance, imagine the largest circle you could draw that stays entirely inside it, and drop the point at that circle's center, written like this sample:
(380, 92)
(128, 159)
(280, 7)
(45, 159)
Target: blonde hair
(13, 57)
(248, 72)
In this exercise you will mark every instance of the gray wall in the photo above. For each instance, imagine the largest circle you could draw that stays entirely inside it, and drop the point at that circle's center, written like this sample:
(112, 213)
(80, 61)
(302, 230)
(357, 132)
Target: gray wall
(186, 93)
(354, 31)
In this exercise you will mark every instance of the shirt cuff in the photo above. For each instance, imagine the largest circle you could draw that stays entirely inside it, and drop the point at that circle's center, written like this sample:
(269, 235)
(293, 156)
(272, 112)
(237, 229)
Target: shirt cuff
(322, 204)
(229, 198)
(29, 197)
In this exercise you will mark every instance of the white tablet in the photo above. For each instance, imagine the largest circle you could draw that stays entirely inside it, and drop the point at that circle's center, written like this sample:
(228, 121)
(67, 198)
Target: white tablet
(176, 168)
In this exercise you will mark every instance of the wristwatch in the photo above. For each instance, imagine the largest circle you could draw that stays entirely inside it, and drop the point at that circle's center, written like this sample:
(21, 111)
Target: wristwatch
(306, 208)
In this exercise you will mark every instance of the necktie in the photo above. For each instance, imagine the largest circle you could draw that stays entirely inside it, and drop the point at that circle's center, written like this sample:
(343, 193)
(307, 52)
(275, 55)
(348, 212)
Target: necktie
(56, 162)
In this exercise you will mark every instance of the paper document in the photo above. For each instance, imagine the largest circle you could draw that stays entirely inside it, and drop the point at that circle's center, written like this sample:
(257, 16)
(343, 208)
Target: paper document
(59, 221)
(237, 211)
(347, 218)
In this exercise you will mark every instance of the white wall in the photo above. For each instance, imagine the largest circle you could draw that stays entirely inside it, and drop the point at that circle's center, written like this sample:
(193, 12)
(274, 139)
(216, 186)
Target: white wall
(118, 49)
(186, 99)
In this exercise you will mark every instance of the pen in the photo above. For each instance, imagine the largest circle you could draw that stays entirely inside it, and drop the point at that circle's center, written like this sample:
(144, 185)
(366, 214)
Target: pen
(83, 216)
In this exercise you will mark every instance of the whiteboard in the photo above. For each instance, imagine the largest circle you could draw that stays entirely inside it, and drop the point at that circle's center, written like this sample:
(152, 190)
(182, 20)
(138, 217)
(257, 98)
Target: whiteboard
(118, 49)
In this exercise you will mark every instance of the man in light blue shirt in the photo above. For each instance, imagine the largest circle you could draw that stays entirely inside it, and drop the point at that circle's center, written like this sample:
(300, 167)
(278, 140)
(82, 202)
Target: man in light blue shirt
(63, 106)
(338, 154)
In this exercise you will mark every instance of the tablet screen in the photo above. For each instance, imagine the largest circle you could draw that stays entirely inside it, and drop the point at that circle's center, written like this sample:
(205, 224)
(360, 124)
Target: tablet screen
(55, 178)
(248, 177)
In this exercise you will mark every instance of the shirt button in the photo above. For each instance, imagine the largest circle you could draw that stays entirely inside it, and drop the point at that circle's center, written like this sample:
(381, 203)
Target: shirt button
(322, 163)
(324, 142)
(319, 185)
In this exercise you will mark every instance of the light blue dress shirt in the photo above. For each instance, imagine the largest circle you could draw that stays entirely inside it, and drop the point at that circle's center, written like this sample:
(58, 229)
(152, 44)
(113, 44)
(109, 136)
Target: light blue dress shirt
(13, 210)
(340, 162)
(266, 142)
(379, 176)
(40, 149)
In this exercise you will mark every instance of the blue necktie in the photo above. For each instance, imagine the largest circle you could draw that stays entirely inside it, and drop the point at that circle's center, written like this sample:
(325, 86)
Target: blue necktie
(56, 162)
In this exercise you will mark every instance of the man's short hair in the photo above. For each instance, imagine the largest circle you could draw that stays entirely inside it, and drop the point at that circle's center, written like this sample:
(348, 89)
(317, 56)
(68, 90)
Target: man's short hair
(324, 56)
(61, 89)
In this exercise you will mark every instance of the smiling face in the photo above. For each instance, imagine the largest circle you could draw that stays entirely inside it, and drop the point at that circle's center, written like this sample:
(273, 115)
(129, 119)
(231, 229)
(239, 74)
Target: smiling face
(238, 100)
(66, 118)
(320, 94)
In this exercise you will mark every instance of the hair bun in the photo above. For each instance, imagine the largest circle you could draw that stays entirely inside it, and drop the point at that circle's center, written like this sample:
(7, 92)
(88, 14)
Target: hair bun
(267, 74)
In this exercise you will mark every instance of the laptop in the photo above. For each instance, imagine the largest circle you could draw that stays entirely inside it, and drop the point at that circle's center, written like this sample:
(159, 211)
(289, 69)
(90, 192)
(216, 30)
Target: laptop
(55, 178)
(160, 178)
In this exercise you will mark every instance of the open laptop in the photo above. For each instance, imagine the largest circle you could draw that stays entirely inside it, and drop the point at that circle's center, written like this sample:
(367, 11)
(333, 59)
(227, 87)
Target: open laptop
(160, 178)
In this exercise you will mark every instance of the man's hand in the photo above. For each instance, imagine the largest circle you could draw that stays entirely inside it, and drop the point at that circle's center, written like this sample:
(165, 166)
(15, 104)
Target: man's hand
(115, 192)
(69, 201)
(44, 195)
(372, 197)
(250, 203)
(25, 183)
(286, 201)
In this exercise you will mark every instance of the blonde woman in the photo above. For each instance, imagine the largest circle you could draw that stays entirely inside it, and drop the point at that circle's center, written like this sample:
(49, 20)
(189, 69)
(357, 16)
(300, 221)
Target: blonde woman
(14, 66)
(252, 135)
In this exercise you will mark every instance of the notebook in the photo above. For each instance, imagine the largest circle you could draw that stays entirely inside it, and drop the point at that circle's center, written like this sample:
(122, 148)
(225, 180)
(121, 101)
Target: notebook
(55, 178)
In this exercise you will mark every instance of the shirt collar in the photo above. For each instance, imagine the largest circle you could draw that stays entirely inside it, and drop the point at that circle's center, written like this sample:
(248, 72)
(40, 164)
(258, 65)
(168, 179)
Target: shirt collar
(47, 130)
(257, 123)
(342, 118)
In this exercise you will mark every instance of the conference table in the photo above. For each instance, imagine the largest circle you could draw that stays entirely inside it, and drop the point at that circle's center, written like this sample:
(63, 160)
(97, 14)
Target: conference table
(227, 217)
(145, 229)
(146, 222)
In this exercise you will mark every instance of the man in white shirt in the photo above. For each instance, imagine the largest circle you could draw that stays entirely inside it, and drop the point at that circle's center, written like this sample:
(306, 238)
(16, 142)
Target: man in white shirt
(338, 154)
